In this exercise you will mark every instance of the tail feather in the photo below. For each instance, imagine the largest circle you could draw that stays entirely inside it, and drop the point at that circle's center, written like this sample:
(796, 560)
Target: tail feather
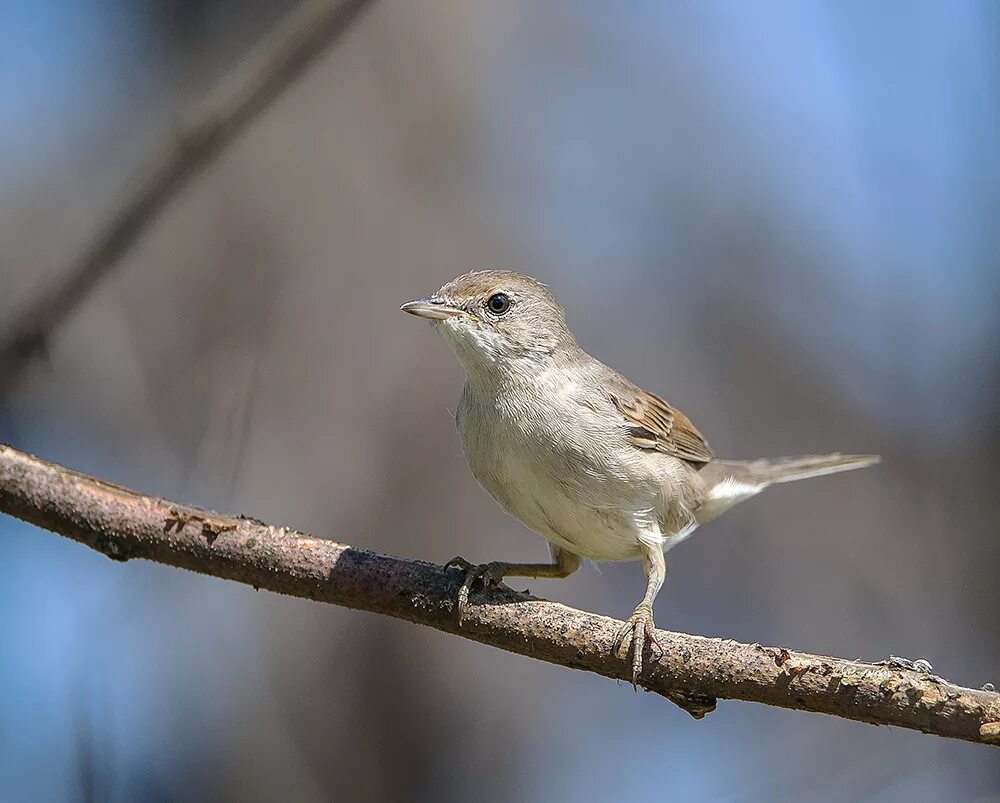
(785, 469)
(732, 481)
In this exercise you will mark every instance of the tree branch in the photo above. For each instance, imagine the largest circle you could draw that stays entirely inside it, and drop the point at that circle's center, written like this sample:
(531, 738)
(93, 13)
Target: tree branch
(238, 101)
(692, 672)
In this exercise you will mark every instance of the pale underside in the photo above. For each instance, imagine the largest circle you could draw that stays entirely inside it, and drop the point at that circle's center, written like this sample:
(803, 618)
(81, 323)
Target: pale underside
(581, 485)
(552, 487)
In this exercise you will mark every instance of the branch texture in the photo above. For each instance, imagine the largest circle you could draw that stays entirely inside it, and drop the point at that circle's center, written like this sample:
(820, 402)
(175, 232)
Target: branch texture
(692, 672)
(240, 100)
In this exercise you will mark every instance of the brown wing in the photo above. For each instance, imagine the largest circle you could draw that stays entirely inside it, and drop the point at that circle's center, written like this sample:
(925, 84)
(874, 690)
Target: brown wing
(657, 425)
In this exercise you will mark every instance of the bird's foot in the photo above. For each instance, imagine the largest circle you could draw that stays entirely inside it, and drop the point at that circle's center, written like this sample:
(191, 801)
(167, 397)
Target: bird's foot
(633, 634)
(489, 574)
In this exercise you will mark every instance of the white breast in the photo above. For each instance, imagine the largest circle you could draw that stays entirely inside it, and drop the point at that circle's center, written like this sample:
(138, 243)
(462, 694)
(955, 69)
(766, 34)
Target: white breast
(548, 473)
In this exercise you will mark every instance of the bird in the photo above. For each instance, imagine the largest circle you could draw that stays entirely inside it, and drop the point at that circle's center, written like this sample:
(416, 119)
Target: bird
(597, 466)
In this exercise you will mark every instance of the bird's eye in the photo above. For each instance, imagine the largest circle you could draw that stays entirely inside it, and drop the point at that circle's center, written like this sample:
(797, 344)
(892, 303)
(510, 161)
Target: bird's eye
(498, 303)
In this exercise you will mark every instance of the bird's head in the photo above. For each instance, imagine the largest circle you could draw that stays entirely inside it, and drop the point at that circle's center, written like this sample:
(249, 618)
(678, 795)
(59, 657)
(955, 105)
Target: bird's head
(496, 320)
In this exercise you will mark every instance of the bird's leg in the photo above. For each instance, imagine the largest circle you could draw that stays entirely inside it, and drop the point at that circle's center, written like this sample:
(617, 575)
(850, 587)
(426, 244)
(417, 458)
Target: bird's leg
(639, 625)
(492, 574)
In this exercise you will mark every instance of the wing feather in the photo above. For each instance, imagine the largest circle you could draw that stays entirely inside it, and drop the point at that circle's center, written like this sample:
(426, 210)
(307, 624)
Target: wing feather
(657, 425)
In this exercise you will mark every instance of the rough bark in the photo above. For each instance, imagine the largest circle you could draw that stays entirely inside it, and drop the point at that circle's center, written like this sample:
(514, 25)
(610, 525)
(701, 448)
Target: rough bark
(693, 671)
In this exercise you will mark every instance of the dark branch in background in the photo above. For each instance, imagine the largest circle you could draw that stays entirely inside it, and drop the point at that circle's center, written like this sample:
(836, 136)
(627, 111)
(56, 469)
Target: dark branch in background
(692, 672)
(250, 90)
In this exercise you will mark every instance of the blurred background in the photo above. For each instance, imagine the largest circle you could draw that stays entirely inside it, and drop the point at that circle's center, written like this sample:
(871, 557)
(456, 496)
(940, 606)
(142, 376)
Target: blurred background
(781, 217)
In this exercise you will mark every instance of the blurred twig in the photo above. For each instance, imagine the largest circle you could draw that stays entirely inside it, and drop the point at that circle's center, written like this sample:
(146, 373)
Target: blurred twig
(236, 103)
(692, 671)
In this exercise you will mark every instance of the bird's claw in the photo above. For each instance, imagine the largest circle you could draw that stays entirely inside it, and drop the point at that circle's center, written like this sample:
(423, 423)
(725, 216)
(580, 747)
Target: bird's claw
(633, 635)
(489, 574)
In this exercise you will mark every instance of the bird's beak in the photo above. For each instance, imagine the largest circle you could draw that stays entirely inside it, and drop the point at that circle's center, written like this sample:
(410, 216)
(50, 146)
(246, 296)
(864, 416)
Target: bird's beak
(433, 307)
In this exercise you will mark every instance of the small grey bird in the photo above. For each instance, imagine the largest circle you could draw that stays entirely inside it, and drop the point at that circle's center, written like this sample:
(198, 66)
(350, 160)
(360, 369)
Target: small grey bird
(595, 465)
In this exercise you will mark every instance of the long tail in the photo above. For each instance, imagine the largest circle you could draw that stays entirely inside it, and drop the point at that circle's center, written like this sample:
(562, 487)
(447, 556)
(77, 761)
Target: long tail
(732, 481)
(785, 469)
